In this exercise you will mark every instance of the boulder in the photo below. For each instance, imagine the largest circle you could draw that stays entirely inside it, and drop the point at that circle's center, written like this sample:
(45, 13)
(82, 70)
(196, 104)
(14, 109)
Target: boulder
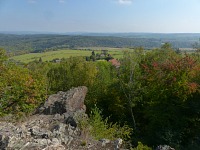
(62, 102)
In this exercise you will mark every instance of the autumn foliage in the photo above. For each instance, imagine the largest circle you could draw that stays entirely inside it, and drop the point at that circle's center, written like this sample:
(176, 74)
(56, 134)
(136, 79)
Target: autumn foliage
(20, 90)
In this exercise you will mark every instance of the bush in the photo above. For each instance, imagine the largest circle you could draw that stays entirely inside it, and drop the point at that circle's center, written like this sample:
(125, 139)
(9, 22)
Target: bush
(141, 147)
(99, 128)
(103, 129)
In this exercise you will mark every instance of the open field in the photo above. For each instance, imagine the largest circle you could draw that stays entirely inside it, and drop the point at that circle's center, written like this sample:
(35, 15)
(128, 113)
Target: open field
(48, 56)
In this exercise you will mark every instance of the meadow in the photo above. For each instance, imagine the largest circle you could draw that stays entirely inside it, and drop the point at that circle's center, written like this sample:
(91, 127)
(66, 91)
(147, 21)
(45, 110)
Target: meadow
(66, 53)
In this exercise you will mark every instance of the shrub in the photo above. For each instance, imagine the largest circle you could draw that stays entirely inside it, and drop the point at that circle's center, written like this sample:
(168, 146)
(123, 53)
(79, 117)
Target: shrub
(103, 129)
(141, 147)
(99, 128)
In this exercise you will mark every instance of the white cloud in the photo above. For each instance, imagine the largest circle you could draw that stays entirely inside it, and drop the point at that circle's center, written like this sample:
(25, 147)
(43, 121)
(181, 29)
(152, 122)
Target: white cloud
(61, 1)
(127, 2)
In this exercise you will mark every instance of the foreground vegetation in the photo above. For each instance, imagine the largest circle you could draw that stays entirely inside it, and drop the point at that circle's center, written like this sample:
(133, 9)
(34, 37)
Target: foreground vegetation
(155, 93)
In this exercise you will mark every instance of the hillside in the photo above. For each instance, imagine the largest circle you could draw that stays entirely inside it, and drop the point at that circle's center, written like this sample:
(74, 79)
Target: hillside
(25, 43)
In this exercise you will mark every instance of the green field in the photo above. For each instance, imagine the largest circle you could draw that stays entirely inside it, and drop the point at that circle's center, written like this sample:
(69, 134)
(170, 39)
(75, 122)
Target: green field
(48, 56)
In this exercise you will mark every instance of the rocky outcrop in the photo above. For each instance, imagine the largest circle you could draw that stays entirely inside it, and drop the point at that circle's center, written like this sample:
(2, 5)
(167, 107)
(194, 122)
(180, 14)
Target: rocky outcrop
(54, 126)
(65, 102)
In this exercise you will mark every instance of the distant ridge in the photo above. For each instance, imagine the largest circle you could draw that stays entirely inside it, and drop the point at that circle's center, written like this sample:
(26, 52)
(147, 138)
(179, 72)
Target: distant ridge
(114, 34)
(28, 41)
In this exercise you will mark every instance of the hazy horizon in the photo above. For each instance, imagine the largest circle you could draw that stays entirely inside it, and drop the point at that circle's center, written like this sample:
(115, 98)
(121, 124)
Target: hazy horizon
(95, 33)
(100, 16)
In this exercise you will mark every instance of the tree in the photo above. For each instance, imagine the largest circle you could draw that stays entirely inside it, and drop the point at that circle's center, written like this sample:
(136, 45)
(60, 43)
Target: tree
(70, 73)
(93, 53)
(170, 84)
(196, 46)
(129, 79)
(40, 59)
(3, 56)
(93, 56)
(21, 90)
(166, 46)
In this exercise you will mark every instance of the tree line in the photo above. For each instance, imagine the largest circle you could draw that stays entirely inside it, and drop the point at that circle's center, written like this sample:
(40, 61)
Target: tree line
(37, 43)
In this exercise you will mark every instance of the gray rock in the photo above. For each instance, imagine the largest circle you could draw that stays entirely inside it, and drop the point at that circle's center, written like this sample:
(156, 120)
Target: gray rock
(104, 142)
(53, 127)
(70, 120)
(39, 132)
(3, 141)
(63, 102)
(55, 147)
(164, 147)
(118, 143)
(55, 141)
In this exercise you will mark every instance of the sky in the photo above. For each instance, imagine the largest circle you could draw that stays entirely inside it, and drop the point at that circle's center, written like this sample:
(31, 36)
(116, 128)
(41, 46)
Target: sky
(100, 16)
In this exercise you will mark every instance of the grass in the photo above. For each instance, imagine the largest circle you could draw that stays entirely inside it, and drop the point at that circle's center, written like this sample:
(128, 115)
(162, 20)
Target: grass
(48, 56)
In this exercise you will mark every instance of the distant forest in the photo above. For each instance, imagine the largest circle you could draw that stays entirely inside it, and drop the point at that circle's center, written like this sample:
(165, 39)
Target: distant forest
(26, 43)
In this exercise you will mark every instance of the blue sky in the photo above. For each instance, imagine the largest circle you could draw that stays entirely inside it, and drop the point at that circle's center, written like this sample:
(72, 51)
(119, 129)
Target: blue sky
(162, 16)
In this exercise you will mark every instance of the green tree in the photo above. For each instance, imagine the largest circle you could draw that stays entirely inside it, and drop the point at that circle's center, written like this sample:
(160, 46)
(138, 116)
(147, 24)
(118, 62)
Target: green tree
(129, 79)
(98, 92)
(166, 46)
(70, 73)
(3, 56)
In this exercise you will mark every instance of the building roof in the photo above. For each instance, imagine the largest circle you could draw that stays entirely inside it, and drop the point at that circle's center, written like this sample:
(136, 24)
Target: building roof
(115, 62)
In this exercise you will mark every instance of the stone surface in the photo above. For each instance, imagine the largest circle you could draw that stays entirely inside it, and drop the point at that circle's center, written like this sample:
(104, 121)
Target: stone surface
(164, 147)
(53, 127)
(70, 101)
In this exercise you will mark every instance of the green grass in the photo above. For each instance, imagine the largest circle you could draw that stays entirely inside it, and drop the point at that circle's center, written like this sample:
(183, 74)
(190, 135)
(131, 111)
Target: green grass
(48, 56)
(116, 54)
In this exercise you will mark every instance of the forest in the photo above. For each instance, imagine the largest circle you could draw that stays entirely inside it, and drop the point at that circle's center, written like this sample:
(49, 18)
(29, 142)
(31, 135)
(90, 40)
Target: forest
(36, 43)
(154, 95)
